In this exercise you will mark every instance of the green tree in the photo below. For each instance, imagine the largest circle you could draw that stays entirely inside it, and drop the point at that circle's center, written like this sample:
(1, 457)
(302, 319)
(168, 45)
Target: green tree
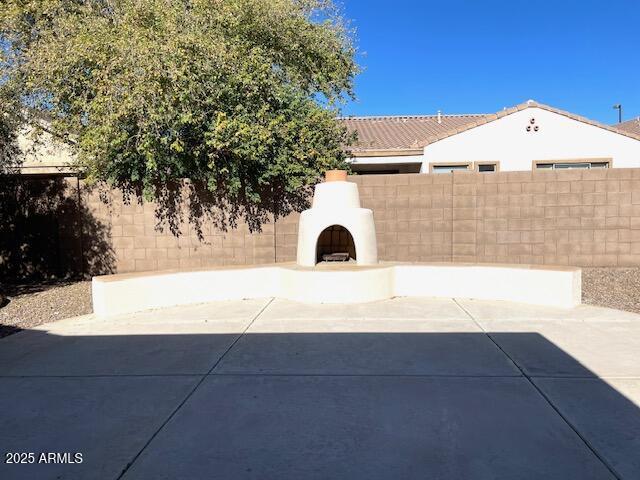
(9, 152)
(236, 99)
(10, 122)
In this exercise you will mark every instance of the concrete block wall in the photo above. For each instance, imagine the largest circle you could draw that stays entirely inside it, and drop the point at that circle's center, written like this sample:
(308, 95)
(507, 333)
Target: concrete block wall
(571, 217)
(139, 246)
(413, 214)
(40, 227)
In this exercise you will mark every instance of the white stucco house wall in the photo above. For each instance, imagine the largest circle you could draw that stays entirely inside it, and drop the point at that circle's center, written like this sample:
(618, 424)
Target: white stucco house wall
(44, 154)
(528, 136)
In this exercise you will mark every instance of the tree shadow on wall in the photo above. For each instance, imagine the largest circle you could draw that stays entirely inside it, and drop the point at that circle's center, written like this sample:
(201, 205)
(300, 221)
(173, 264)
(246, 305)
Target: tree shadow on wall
(47, 232)
(181, 203)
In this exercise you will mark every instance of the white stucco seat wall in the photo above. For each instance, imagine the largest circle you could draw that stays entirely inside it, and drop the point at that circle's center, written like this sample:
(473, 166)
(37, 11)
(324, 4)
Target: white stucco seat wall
(337, 283)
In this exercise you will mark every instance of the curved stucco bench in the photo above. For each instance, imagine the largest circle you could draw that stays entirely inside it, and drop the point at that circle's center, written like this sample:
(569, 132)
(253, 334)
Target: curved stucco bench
(337, 283)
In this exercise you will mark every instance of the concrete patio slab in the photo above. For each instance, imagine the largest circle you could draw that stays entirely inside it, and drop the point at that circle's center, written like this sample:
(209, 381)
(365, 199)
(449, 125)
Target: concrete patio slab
(168, 342)
(399, 308)
(485, 310)
(379, 353)
(401, 315)
(605, 412)
(121, 354)
(406, 388)
(230, 316)
(405, 336)
(106, 419)
(569, 348)
(367, 427)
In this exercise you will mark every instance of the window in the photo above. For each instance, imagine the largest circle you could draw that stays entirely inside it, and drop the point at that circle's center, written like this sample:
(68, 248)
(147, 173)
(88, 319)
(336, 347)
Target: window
(448, 167)
(487, 167)
(385, 168)
(377, 172)
(565, 166)
(569, 165)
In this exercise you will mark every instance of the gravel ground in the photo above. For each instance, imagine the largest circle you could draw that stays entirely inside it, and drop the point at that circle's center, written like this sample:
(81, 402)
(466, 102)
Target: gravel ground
(31, 305)
(612, 287)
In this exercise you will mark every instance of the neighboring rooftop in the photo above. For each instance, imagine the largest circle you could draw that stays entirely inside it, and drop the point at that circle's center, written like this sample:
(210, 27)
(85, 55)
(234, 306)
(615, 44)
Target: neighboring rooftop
(403, 132)
(403, 135)
(630, 126)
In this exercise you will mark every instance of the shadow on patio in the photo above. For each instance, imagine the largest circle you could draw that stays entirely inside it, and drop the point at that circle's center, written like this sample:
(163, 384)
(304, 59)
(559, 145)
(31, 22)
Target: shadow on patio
(312, 405)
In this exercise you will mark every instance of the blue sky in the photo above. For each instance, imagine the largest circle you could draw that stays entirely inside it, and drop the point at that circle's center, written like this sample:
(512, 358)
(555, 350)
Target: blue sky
(477, 56)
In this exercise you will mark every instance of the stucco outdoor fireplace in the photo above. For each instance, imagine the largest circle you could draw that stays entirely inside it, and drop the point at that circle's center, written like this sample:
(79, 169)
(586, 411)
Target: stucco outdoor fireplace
(336, 227)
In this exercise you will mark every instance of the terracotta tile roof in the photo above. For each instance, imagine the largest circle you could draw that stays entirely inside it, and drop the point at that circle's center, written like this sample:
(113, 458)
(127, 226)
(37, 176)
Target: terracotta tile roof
(413, 133)
(630, 126)
(402, 132)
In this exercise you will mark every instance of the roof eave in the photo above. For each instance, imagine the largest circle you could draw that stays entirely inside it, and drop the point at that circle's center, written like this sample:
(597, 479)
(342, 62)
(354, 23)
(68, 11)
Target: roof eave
(391, 152)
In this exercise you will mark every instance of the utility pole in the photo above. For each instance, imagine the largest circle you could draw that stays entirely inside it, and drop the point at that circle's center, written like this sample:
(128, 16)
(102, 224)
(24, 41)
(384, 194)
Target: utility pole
(618, 106)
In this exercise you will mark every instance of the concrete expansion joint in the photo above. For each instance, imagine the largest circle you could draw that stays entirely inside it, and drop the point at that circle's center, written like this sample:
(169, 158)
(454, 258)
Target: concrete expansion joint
(362, 375)
(192, 391)
(544, 396)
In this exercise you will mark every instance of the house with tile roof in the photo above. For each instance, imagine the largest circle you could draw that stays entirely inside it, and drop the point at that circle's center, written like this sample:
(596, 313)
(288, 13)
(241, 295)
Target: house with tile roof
(526, 137)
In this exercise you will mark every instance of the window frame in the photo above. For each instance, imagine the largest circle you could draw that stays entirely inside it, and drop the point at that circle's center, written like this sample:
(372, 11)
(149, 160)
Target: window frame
(468, 165)
(607, 161)
(487, 162)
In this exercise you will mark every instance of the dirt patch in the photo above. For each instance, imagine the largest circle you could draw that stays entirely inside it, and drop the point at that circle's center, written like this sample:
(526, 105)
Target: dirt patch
(27, 306)
(612, 287)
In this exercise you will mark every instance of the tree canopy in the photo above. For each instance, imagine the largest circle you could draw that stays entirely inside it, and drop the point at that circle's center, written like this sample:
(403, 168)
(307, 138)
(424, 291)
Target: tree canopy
(237, 97)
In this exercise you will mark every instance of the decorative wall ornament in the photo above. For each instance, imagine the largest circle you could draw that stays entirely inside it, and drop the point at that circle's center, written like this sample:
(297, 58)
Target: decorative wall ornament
(532, 125)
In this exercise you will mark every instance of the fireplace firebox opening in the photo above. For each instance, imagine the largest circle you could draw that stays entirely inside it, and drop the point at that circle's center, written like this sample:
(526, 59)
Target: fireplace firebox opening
(335, 244)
